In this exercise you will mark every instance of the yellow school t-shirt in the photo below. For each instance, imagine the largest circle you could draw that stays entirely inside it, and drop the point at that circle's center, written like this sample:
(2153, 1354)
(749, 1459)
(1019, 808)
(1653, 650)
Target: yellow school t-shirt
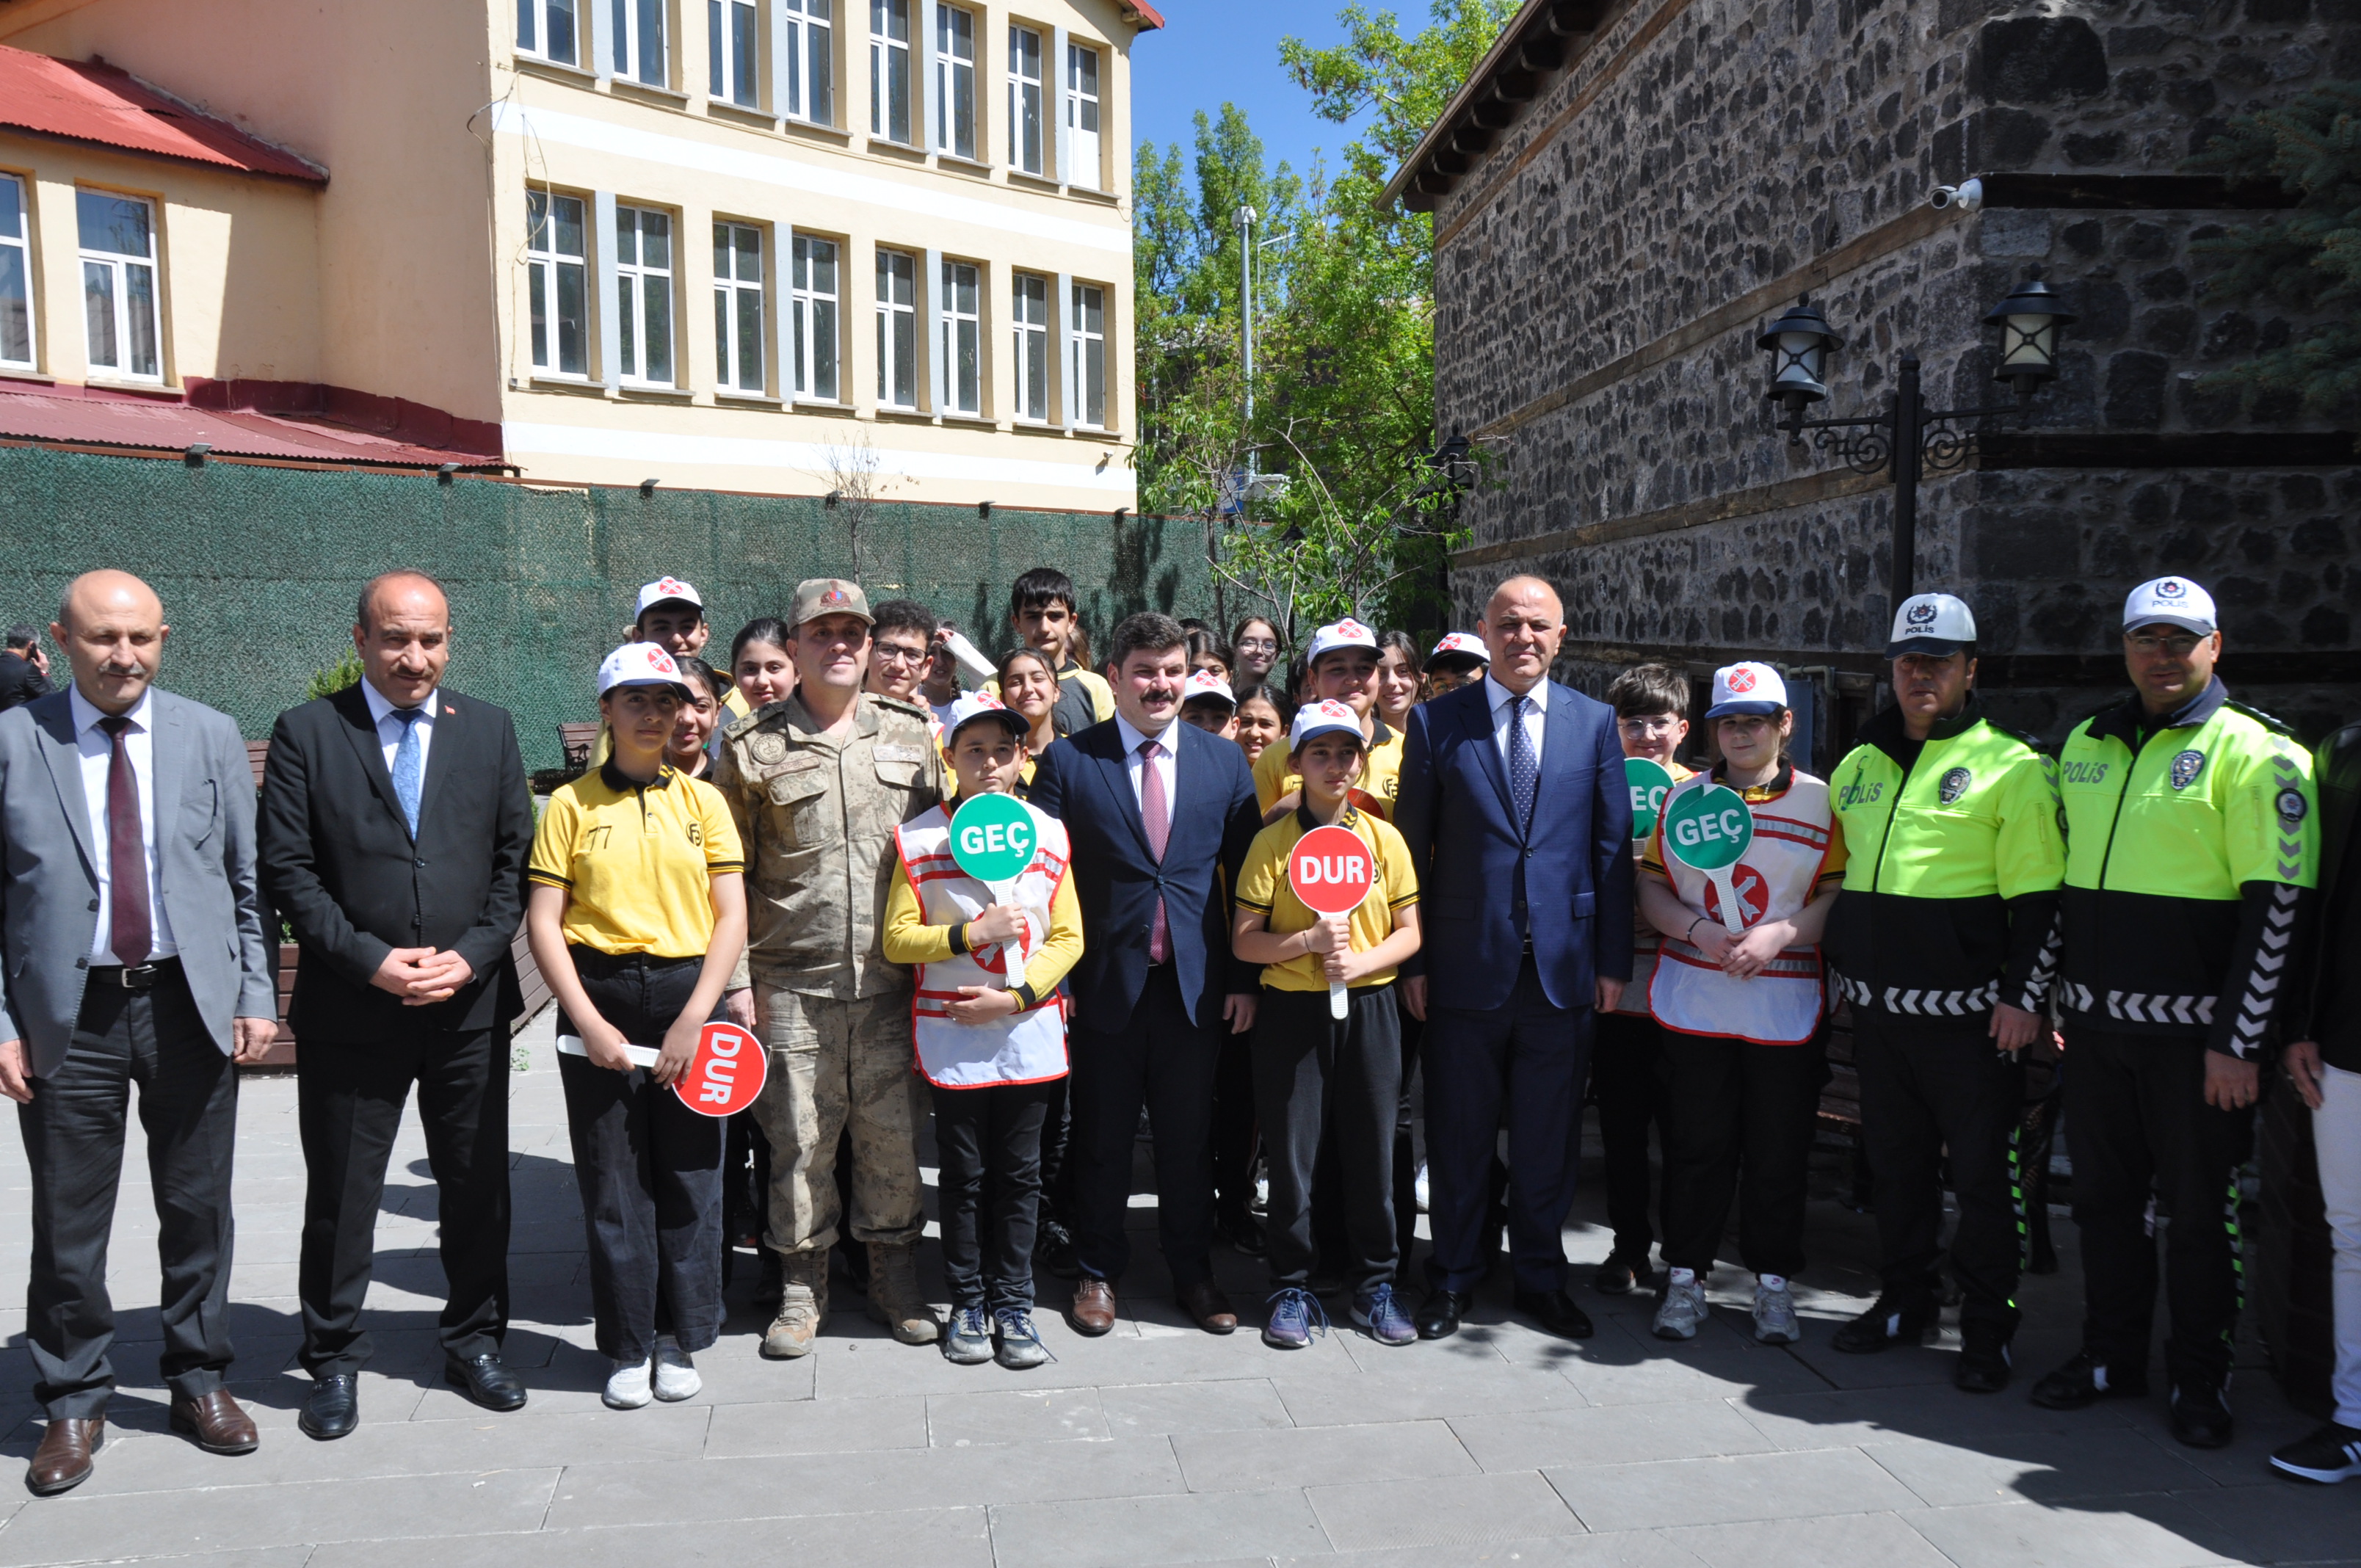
(1263, 887)
(637, 861)
(1380, 773)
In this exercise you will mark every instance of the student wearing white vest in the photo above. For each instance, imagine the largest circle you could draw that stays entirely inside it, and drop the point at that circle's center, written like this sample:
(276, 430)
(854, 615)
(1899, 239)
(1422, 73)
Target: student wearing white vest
(1741, 1051)
(989, 1030)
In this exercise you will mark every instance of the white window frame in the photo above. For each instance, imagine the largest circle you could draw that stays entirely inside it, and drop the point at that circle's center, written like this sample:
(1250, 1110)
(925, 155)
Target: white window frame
(897, 329)
(1084, 144)
(1086, 351)
(959, 337)
(1028, 318)
(533, 33)
(817, 339)
(644, 291)
(122, 271)
(1028, 109)
(546, 269)
(733, 63)
(806, 86)
(890, 110)
(637, 58)
(16, 272)
(739, 308)
(955, 103)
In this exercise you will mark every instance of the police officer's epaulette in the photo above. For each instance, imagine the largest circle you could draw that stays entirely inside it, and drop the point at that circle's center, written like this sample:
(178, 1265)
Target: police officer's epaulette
(2269, 721)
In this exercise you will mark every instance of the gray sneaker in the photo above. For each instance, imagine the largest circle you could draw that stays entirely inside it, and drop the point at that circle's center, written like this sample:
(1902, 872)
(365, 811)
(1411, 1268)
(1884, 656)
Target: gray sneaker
(970, 1341)
(1020, 1344)
(1774, 1316)
(1681, 1309)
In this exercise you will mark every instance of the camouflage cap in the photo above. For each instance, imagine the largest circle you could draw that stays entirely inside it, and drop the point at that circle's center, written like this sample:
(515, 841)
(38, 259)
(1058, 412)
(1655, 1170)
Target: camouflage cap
(816, 596)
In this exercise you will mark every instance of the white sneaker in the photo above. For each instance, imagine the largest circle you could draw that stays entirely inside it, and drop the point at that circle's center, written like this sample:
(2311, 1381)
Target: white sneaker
(676, 1376)
(626, 1386)
(1774, 1315)
(1681, 1309)
(1420, 1185)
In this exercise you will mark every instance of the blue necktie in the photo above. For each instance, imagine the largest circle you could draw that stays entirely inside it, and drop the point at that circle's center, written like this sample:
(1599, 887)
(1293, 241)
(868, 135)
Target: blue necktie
(1524, 768)
(409, 766)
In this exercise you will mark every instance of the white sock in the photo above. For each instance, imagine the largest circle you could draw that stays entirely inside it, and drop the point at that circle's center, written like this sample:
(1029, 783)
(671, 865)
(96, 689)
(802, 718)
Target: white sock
(1683, 1276)
(1772, 1281)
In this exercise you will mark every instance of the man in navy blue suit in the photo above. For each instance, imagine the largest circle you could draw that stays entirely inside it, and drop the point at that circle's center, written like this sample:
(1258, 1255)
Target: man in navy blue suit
(1157, 812)
(1513, 807)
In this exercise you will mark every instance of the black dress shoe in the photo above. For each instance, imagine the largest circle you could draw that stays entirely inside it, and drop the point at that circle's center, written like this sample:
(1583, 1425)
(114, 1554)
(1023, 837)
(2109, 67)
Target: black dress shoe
(1054, 1246)
(1621, 1274)
(2200, 1416)
(334, 1407)
(1983, 1360)
(1439, 1314)
(1556, 1312)
(487, 1380)
(2086, 1380)
(1243, 1232)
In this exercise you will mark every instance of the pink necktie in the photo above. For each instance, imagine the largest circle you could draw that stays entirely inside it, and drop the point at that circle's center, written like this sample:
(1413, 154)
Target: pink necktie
(1156, 816)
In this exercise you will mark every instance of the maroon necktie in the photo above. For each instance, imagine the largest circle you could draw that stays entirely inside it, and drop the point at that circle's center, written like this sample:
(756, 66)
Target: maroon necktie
(1156, 814)
(132, 932)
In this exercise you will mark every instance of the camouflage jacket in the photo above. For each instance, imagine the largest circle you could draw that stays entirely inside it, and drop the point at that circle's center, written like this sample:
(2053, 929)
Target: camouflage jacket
(817, 815)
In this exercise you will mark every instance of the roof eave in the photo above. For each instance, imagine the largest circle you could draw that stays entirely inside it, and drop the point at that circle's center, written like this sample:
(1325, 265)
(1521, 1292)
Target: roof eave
(317, 179)
(1568, 24)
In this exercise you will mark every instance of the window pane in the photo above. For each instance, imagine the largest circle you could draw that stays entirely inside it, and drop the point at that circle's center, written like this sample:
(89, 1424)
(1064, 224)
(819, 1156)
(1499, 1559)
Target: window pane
(655, 240)
(824, 267)
(627, 238)
(721, 250)
(822, 65)
(963, 291)
(721, 351)
(823, 356)
(1037, 375)
(98, 314)
(538, 274)
(750, 255)
(714, 40)
(526, 32)
(749, 340)
(16, 308)
(627, 324)
(742, 86)
(567, 212)
(536, 221)
(968, 393)
(657, 297)
(905, 359)
(11, 208)
(573, 336)
(560, 31)
(648, 53)
(117, 224)
(139, 306)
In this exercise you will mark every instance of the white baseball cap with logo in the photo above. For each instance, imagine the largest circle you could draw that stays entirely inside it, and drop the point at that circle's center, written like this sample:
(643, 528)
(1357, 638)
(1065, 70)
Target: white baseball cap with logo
(1344, 634)
(973, 706)
(640, 665)
(2170, 601)
(668, 590)
(1747, 687)
(1323, 717)
(1457, 646)
(1937, 624)
(1206, 684)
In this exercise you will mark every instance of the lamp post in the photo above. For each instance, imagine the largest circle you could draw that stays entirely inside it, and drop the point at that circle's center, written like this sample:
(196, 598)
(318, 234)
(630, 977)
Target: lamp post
(1909, 438)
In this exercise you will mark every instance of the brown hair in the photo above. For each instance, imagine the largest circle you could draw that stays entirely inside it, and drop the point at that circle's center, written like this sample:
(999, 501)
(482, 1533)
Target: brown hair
(1649, 688)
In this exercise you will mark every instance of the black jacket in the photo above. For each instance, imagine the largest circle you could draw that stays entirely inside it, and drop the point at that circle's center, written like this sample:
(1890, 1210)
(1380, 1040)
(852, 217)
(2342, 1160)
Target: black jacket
(338, 864)
(19, 682)
(2336, 776)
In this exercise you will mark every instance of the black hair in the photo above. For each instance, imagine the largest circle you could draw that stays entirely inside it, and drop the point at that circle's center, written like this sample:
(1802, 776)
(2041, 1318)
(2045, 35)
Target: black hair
(904, 615)
(21, 638)
(1040, 588)
(1644, 689)
(1150, 629)
(767, 629)
(1263, 691)
(1409, 650)
(705, 674)
(1201, 641)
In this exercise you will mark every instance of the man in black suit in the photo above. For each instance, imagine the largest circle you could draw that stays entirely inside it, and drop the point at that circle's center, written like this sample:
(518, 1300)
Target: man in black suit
(395, 827)
(24, 670)
(1157, 811)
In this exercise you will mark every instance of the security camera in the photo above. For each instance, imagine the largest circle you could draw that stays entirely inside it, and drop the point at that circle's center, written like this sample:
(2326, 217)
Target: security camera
(1968, 195)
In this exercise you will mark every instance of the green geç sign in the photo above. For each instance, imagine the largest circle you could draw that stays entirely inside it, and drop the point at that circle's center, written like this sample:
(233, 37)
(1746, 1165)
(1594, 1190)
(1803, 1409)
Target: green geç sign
(1708, 829)
(992, 837)
(1650, 782)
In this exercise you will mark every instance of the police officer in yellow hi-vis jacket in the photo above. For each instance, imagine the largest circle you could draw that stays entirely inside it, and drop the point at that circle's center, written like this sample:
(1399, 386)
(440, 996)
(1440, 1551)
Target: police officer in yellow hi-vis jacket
(1943, 941)
(2190, 841)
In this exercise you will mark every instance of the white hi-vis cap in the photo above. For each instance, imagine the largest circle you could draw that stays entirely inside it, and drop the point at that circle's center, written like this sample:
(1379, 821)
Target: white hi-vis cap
(1938, 624)
(1344, 634)
(2169, 601)
(1321, 718)
(973, 706)
(1206, 684)
(1749, 687)
(1461, 650)
(669, 590)
(640, 665)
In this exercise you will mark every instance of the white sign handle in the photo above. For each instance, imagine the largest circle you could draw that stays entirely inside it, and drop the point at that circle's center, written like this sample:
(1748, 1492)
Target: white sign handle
(641, 1056)
(1336, 1000)
(1732, 917)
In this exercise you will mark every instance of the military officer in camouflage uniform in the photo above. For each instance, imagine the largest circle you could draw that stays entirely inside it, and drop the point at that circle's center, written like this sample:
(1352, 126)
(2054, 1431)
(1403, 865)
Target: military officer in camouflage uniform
(819, 783)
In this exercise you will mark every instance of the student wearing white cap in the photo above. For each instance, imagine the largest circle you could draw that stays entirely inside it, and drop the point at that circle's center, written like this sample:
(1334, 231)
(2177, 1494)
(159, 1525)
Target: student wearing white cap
(1457, 659)
(1207, 702)
(1942, 941)
(2190, 843)
(1741, 1013)
(672, 616)
(636, 914)
(1343, 666)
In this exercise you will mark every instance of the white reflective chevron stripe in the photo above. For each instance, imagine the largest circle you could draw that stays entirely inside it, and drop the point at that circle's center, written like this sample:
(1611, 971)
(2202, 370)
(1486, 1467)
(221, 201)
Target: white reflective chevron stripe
(2263, 979)
(2142, 1006)
(1921, 1003)
(2045, 968)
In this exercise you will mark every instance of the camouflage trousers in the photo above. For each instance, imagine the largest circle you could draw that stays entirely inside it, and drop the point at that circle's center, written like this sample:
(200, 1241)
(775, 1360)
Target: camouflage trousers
(836, 1065)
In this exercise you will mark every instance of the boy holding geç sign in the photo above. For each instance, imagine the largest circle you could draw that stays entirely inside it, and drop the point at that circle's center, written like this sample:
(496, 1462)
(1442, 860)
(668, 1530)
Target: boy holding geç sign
(1309, 1057)
(984, 909)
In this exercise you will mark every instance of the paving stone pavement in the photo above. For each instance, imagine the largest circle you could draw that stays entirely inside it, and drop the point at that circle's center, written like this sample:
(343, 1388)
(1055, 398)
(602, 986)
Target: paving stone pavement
(1156, 1444)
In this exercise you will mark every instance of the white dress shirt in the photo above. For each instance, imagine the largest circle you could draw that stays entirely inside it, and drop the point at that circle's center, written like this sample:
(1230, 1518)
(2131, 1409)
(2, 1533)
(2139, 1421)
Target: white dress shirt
(1502, 702)
(1168, 744)
(97, 751)
(388, 728)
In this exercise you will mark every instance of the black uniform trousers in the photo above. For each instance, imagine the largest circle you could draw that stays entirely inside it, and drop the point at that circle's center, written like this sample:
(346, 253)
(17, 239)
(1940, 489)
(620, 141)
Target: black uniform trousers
(988, 1139)
(1630, 1094)
(1929, 1086)
(74, 1131)
(348, 1101)
(1164, 1059)
(1739, 1120)
(1325, 1085)
(2137, 1120)
(1234, 1129)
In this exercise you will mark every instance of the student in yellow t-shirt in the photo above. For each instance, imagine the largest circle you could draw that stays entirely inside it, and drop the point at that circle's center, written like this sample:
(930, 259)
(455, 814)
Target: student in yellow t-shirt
(636, 914)
(1343, 667)
(1312, 1071)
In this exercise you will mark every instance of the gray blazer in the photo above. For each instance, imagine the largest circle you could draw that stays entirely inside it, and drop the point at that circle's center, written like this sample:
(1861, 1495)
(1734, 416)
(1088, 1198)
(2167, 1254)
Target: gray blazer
(49, 882)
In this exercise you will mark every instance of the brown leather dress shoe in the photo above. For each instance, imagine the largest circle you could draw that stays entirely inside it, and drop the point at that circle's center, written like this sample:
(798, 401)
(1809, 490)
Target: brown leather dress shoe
(62, 1462)
(1205, 1302)
(216, 1423)
(1092, 1312)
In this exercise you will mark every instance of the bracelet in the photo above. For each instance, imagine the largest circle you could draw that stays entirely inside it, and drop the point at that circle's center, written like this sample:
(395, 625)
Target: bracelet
(1689, 934)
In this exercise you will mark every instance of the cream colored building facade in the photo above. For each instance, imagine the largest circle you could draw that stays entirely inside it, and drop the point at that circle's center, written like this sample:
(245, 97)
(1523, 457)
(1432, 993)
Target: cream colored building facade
(781, 246)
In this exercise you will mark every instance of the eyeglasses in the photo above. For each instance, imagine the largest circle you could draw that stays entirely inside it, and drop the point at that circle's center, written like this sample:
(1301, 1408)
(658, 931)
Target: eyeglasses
(1246, 643)
(1638, 728)
(2180, 644)
(900, 652)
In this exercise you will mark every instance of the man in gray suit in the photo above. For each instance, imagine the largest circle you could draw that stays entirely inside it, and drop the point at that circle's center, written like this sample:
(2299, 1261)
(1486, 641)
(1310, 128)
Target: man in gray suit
(134, 955)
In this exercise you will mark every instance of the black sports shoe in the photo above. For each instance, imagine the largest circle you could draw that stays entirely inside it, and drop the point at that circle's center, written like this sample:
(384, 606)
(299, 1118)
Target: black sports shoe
(1890, 1322)
(1621, 1274)
(2330, 1454)
(2200, 1415)
(1983, 1360)
(2086, 1380)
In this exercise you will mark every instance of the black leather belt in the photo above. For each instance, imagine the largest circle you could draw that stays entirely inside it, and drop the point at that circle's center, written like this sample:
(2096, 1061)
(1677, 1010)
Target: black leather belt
(134, 977)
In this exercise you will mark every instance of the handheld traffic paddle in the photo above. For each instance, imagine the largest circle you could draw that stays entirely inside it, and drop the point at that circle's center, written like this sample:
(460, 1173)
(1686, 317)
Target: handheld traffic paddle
(1649, 783)
(1710, 829)
(726, 1075)
(1330, 871)
(992, 840)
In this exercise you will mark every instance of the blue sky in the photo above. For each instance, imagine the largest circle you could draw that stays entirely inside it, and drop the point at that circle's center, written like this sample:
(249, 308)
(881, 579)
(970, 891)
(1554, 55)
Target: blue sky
(1212, 52)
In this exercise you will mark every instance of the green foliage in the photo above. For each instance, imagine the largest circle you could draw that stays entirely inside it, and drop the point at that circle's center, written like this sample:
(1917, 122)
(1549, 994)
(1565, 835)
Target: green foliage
(2307, 260)
(1344, 338)
(328, 682)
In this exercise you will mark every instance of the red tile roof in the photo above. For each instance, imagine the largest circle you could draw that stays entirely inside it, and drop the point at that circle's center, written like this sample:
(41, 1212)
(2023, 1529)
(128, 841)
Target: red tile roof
(99, 103)
(171, 426)
(1148, 18)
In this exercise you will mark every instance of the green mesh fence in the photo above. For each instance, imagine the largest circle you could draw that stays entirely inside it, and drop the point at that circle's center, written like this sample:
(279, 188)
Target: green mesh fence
(259, 567)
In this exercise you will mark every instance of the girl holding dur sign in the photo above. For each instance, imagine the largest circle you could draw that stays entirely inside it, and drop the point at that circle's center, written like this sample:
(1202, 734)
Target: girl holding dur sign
(984, 909)
(636, 915)
(1739, 990)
